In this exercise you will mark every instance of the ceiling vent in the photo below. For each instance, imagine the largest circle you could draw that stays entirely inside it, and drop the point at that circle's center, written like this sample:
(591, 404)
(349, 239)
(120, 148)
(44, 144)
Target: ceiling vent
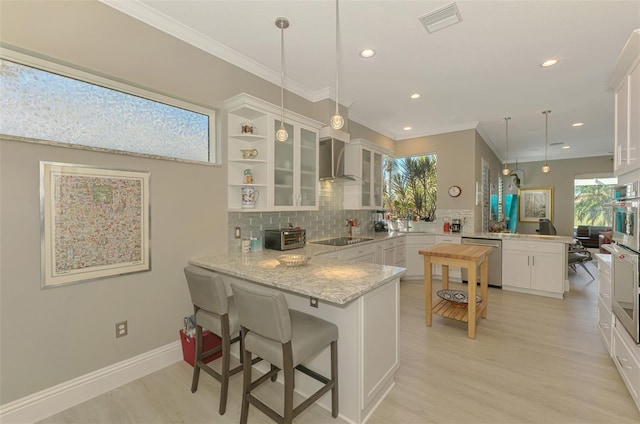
(441, 18)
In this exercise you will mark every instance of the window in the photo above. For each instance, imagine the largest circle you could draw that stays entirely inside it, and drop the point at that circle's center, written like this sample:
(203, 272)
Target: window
(590, 196)
(410, 187)
(49, 106)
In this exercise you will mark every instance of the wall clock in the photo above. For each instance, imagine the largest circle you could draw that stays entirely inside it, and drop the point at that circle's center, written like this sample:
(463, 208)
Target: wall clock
(454, 191)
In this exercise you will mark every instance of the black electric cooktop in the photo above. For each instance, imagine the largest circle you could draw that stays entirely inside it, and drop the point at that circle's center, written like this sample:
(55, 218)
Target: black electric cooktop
(341, 241)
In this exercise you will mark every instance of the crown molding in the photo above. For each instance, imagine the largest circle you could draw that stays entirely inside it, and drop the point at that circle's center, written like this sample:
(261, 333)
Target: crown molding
(489, 142)
(162, 22)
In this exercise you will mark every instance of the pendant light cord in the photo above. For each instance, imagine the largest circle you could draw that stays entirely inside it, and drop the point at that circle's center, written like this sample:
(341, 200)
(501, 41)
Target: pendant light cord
(282, 75)
(546, 134)
(506, 135)
(337, 54)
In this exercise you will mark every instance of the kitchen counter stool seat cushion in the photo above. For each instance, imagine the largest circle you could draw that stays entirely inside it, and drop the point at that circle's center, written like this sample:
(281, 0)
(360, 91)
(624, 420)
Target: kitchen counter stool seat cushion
(216, 312)
(212, 321)
(285, 338)
(309, 335)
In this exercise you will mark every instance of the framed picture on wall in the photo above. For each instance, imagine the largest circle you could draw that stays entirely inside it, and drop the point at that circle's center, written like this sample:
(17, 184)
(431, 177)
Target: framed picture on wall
(535, 204)
(94, 222)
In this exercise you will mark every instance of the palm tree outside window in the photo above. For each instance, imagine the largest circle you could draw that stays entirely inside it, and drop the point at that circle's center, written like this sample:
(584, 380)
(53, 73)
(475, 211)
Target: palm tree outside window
(590, 196)
(410, 190)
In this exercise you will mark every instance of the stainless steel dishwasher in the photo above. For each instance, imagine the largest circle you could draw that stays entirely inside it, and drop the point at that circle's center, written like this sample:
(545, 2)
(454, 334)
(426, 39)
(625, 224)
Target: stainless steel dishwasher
(495, 259)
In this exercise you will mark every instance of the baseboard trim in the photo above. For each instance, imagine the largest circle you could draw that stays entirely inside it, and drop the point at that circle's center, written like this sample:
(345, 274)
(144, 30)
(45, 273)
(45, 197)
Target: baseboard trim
(55, 399)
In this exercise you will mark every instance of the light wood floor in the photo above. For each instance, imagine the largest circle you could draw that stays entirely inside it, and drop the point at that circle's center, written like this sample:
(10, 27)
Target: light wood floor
(534, 360)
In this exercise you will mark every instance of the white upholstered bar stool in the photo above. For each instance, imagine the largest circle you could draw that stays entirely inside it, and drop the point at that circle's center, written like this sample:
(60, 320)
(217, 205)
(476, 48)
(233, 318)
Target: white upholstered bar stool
(217, 313)
(285, 338)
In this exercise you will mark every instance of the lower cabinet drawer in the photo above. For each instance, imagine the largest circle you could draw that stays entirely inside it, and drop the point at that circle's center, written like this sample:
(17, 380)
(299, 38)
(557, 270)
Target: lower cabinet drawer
(626, 362)
(604, 323)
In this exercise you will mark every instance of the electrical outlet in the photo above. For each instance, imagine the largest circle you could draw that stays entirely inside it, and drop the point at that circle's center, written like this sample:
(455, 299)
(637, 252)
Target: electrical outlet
(313, 302)
(238, 233)
(122, 329)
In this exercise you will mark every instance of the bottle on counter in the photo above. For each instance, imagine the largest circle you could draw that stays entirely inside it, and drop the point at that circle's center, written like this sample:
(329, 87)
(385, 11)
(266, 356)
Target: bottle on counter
(447, 225)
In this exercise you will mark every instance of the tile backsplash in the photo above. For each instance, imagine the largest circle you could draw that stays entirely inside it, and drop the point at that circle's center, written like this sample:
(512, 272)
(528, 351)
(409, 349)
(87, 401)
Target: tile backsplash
(329, 221)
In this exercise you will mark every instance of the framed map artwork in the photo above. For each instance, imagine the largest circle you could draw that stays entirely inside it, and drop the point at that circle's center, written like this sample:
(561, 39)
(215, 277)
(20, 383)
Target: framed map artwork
(94, 222)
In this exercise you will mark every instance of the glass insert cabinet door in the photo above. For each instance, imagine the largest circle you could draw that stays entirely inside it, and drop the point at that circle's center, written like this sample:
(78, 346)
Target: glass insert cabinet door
(366, 177)
(377, 179)
(308, 171)
(283, 173)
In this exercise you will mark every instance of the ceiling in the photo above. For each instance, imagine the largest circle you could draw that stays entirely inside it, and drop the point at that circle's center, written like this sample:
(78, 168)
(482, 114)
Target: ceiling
(469, 75)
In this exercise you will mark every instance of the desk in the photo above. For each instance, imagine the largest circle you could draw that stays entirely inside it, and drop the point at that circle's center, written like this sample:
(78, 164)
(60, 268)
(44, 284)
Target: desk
(466, 256)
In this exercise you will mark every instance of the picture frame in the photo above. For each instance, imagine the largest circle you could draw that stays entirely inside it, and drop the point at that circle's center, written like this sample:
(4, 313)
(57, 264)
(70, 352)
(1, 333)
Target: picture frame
(535, 204)
(94, 222)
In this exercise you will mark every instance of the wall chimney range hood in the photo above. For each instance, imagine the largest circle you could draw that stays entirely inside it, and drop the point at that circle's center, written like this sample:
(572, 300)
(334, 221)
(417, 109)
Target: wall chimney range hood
(332, 146)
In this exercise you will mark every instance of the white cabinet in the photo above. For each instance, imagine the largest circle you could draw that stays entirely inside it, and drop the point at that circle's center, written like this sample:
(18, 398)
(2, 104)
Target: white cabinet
(626, 355)
(239, 167)
(285, 175)
(379, 252)
(364, 160)
(605, 316)
(400, 252)
(414, 260)
(394, 253)
(625, 81)
(534, 267)
(359, 253)
(295, 168)
(621, 139)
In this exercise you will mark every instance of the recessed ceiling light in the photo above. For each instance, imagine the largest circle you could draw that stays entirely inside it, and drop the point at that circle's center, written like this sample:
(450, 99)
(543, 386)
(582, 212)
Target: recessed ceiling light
(549, 62)
(566, 147)
(366, 53)
(415, 96)
(577, 124)
(407, 128)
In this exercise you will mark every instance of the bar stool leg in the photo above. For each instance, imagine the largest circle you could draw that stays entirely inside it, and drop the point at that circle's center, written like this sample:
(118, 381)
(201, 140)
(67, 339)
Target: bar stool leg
(246, 381)
(226, 353)
(334, 378)
(197, 358)
(288, 370)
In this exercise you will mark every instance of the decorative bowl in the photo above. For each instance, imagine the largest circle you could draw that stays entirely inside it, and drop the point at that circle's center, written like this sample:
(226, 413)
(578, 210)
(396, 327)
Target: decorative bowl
(294, 260)
(457, 296)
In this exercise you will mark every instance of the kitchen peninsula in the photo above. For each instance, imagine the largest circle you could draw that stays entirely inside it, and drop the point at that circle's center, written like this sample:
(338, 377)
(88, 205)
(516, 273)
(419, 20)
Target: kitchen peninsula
(362, 299)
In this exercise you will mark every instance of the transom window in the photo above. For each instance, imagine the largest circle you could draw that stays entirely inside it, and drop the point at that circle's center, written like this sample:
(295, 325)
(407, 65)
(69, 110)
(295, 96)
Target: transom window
(49, 106)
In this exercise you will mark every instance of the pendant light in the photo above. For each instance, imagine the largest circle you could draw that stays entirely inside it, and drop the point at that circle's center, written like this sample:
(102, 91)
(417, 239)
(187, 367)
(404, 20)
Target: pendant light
(505, 170)
(281, 134)
(546, 168)
(337, 121)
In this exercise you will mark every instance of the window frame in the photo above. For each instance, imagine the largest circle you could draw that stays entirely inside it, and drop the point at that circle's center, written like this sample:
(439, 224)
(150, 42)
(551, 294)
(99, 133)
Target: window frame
(48, 65)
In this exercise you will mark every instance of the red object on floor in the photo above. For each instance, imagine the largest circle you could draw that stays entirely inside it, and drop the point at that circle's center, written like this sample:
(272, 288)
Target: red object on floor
(209, 341)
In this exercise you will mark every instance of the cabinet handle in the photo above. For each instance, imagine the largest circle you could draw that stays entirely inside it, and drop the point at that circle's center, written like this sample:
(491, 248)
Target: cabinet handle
(604, 295)
(604, 325)
(533, 261)
(627, 367)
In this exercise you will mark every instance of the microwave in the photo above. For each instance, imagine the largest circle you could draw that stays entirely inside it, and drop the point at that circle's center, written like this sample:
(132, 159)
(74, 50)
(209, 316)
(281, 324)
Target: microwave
(284, 239)
(626, 206)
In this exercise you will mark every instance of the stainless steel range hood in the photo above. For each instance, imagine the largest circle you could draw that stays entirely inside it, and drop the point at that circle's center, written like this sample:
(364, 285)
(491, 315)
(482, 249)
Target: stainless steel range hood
(332, 147)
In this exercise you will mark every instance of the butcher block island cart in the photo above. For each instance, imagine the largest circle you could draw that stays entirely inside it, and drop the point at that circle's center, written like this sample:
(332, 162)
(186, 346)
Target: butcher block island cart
(362, 299)
(464, 256)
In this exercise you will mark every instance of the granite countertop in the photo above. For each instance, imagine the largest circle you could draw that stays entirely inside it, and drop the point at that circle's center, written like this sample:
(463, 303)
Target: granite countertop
(492, 236)
(523, 237)
(329, 279)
